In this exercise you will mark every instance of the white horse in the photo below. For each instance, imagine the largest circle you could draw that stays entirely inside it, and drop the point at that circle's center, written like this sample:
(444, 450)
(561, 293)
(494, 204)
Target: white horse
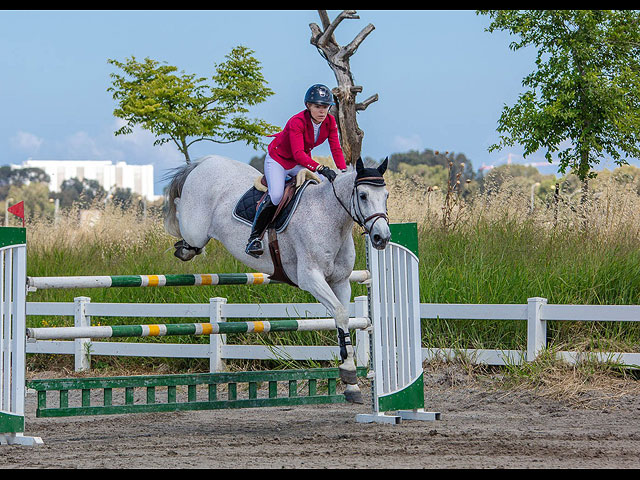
(316, 248)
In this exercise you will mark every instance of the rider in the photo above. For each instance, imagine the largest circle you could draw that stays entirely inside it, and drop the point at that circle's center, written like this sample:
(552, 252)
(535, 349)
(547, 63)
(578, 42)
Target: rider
(290, 152)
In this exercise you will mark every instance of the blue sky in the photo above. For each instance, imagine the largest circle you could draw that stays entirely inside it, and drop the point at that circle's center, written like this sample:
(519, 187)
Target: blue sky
(441, 79)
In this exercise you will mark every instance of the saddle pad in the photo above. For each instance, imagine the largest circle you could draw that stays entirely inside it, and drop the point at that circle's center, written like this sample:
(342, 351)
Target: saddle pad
(245, 209)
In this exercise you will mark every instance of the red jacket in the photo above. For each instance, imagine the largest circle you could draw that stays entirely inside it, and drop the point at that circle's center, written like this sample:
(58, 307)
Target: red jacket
(292, 146)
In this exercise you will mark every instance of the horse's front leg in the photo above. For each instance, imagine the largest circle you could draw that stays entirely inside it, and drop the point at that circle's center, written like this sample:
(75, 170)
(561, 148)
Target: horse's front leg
(342, 291)
(315, 283)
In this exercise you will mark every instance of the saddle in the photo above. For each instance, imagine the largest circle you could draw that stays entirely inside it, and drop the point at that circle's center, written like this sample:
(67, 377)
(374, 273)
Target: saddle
(245, 211)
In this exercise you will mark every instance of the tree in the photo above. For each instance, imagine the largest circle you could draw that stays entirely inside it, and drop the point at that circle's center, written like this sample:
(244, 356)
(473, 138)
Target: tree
(122, 197)
(185, 109)
(257, 162)
(36, 199)
(583, 100)
(18, 177)
(345, 94)
(83, 192)
(400, 161)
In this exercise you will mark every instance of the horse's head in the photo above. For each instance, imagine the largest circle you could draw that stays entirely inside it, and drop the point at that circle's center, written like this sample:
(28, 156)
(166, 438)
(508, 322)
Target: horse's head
(369, 203)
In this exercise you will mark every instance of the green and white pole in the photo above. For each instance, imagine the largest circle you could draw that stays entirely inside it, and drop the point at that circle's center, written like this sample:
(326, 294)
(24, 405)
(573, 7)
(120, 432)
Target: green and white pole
(119, 331)
(169, 280)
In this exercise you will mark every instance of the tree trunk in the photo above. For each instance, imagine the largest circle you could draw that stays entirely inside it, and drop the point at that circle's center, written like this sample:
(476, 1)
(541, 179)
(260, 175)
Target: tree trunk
(346, 107)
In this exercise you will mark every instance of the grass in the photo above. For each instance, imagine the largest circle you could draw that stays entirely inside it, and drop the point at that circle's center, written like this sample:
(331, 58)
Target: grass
(496, 251)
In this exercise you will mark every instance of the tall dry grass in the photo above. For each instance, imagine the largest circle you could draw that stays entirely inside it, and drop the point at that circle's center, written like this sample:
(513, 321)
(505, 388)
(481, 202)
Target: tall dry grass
(612, 212)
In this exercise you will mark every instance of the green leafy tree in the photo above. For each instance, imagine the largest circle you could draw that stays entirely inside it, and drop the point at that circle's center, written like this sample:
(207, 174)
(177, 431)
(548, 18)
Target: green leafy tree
(36, 199)
(460, 163)
(82, 192)
(184, 109)
(583, 99)
(122, 197)
(18, 177)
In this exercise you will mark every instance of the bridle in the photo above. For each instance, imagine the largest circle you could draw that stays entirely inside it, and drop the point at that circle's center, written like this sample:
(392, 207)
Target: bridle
(376, 181)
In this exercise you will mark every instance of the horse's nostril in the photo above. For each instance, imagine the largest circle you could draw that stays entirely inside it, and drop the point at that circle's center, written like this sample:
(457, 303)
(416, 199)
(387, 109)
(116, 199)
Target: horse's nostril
(376, 238)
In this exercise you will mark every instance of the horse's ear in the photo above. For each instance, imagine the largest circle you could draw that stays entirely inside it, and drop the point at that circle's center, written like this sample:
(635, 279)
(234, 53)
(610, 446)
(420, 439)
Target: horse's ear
(383, 166)
(359, 164)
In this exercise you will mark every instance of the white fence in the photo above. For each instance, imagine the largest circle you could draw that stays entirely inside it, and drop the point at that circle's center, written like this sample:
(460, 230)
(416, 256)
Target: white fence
(217, 350)
(536, 313)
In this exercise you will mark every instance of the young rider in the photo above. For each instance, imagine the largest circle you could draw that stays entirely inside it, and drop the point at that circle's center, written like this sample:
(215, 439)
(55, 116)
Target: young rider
(290, 152)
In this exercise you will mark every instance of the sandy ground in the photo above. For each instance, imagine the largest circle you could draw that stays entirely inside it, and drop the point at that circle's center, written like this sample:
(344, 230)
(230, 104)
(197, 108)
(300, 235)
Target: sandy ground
(481, 427)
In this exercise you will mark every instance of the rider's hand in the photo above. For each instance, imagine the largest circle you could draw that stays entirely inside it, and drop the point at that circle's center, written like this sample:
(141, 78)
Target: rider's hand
(327, 172)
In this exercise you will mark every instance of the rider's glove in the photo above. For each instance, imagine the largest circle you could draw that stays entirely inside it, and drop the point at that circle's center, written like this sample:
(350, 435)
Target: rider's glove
(327, 172)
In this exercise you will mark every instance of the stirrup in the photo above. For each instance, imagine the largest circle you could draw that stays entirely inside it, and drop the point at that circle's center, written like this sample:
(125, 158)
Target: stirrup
(254, 248)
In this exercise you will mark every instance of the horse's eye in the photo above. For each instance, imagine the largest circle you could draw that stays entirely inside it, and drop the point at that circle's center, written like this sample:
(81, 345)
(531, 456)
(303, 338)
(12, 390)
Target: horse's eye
(363, 196)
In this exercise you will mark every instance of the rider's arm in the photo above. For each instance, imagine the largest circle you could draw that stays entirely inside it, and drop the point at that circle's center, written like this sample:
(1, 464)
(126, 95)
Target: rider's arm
(296, 139)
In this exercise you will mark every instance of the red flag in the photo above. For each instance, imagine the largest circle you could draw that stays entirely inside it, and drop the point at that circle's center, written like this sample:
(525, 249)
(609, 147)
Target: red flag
(17, 210)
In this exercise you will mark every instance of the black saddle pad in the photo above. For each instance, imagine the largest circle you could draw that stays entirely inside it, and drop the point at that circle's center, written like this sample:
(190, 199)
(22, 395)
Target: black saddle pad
(245, 209)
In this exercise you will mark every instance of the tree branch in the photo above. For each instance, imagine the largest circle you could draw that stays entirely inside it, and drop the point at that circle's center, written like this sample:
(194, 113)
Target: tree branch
(353, 46)
(324, 18)
(363, 105)
(329, 28)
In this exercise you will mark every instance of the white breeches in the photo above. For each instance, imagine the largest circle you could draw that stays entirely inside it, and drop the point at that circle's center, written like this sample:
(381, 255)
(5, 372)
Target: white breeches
(276, 175)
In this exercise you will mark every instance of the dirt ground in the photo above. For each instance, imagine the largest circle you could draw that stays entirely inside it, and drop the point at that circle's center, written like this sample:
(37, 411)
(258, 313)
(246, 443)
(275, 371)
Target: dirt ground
(481, 427)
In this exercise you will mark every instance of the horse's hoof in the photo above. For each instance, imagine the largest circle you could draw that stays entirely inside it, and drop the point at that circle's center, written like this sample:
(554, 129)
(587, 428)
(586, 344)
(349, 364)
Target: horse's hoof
(353, 395)
(348, 376)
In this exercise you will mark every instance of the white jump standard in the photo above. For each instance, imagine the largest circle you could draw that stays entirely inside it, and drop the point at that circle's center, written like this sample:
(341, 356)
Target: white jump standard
(396, 346)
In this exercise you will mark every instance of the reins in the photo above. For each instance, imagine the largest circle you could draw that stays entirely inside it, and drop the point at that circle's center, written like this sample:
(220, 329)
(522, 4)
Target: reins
(355, 204)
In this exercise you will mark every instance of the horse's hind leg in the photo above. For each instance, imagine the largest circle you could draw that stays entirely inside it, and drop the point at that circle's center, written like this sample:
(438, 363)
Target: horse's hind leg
(314, 283)
(194, 234)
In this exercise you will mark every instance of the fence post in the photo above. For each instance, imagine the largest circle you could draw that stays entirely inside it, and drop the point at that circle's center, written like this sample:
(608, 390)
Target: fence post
(82, 346)
(216, 342)
(362, 335)
(536, 328)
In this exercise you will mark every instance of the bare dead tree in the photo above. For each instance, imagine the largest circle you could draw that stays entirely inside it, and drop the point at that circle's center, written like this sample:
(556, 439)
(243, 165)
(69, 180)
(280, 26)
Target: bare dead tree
(345, 93)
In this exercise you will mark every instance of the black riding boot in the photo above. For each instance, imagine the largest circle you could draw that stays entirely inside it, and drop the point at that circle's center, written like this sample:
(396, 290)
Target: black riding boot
(264, 212)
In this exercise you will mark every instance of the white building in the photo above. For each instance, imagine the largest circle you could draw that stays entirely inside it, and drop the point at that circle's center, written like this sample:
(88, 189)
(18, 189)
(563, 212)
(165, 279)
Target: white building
(139, 178)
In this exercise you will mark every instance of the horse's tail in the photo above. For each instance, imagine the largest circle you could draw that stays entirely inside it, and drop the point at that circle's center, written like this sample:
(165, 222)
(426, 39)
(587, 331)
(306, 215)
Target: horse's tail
(174, 191)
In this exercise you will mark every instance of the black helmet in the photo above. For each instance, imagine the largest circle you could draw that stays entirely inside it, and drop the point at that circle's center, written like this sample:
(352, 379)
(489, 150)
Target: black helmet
(319, 94)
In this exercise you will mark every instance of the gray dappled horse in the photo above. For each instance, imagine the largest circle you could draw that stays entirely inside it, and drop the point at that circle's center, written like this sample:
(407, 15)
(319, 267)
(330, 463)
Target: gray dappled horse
(316, 248)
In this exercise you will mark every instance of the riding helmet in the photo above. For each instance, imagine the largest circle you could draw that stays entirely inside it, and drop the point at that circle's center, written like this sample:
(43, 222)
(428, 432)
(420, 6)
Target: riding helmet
(319, 94)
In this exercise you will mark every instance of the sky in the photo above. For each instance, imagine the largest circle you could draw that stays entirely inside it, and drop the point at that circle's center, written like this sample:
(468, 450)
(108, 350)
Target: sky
(442, 80)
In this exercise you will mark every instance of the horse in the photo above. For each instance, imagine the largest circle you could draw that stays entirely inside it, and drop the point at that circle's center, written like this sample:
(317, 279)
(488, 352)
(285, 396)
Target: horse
(316, 248)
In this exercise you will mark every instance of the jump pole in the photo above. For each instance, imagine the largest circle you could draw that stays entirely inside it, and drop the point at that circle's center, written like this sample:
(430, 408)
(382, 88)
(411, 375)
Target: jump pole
(170, 280)
(213, 328)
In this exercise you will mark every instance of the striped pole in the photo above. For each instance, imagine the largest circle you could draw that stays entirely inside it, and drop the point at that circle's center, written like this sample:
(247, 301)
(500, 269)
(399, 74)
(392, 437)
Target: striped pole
(177, 280)
(69, 333)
